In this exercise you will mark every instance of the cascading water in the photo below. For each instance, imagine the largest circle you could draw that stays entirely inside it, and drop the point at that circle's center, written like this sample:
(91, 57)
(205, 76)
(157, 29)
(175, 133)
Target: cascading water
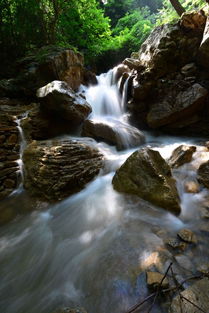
(108, 107)
(93, 248)
(22, 148)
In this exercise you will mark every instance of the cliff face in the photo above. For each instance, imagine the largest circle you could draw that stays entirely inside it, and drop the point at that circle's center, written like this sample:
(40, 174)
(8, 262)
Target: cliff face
(170, 77)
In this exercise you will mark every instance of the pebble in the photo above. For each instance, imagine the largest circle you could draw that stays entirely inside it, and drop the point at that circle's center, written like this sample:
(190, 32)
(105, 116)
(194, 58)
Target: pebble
(187, 235)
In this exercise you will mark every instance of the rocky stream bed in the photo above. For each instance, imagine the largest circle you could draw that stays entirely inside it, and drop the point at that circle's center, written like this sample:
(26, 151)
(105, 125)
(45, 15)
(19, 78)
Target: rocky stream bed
(100, 208)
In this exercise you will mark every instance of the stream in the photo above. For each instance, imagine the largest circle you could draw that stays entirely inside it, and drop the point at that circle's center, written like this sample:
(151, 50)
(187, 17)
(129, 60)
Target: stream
(93, 248)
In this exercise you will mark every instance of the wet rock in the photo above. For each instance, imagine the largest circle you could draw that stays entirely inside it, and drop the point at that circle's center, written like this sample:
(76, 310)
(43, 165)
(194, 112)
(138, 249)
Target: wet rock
(189, 69)
(89, 78)
(191, 187)
(147, 175)
(40, 126)
(73, 162)
(183, 104)
(154, 279)
(185, 263)
(175, 243)
(187, 235)
(121, 135)
(133, 64)
(197, 294)
(157, 260)
(204, 213)
(203, 56)
(169, 47)
(48, 64)
(9, 154)
(203, 174)
(12, 140)
(9, 88)
(59, 101)
(120, 70)
(203, 268)
(195, 20)
(181, 155)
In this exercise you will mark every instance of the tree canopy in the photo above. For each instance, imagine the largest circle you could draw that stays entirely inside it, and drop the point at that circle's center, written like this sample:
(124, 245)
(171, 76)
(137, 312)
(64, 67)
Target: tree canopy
(94, 27)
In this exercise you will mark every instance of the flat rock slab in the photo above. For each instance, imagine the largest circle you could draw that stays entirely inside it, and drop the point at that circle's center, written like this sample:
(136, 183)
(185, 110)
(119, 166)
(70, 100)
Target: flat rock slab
(187, 235)
(154, 279)
(197, 294)
(55, 169)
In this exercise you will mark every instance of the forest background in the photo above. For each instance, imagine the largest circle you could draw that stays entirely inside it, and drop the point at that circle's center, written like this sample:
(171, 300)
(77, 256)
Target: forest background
(104, 31)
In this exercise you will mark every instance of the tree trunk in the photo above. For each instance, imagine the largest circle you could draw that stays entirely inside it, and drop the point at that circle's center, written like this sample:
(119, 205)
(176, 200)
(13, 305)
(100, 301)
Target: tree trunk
(177, 6)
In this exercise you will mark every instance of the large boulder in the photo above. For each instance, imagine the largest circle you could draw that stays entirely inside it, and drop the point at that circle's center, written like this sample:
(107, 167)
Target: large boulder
(60, 101)
(193, 300)
(51, 63)
(147, 175)
(121, 135)
(170, 46)
(177, 105)
(203, 56)
(54, 170)
(182, 154)
(203, 174)
(167, 74)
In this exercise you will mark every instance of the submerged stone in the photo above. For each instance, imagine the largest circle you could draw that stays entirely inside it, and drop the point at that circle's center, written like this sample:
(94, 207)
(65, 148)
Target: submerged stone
(197, 296)
(122, 135)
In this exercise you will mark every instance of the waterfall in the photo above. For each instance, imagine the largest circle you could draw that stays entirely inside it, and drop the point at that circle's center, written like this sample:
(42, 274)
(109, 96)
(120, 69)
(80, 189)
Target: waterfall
(109, 107)
(23, 143)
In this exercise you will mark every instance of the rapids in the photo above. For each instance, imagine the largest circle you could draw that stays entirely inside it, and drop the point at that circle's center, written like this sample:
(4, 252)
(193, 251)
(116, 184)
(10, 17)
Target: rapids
(93, 248)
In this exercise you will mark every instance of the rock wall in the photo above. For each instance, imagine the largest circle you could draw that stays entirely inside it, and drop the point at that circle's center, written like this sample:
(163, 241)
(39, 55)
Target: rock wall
(46, 65)
(170, 77)
(9, 154)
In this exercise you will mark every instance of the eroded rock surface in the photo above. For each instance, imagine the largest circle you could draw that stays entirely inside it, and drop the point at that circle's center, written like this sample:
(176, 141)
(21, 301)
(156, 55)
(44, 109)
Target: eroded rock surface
(56, 169)
(197, 294)
(203, 174)
(9, 154)
(147, 175)
(121, 135)
(181, 155)
(174, 108)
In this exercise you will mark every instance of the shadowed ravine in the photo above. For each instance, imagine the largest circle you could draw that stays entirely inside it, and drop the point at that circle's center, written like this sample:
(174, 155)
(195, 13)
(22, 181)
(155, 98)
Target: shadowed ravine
(93, 248)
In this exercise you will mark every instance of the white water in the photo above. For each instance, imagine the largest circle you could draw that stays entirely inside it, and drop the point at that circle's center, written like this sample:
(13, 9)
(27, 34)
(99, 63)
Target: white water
(92, 249)
(23, 144)
(108, 107)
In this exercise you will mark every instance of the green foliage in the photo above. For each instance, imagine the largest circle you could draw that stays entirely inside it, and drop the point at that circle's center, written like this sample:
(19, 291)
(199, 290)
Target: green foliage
(116, 9)
(27, 24)
(88, 29)
(129, 33)
(167, 14)
(112, 30)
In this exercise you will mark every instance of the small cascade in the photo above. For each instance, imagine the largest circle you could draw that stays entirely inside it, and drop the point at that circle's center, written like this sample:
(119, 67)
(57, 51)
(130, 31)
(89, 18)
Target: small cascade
(109, 107)
(22, 148)
(124, 99)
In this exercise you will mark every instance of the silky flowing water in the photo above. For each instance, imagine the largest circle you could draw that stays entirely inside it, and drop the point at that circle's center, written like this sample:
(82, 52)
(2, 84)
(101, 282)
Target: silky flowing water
(93, 248)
